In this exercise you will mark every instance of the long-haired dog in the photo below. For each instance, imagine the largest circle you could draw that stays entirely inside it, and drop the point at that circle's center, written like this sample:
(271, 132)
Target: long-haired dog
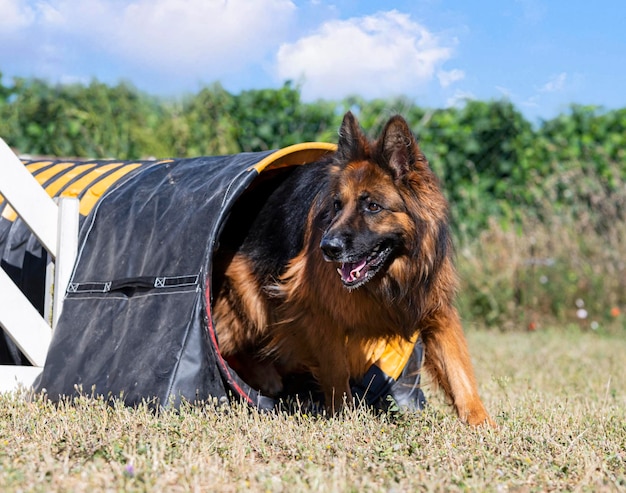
(340, 254)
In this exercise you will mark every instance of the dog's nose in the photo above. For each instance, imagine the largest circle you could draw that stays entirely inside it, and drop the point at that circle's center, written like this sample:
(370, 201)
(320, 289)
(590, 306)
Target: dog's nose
(332, 246)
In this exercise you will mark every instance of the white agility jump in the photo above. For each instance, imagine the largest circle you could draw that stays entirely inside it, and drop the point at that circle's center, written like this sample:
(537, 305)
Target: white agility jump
(55, 224)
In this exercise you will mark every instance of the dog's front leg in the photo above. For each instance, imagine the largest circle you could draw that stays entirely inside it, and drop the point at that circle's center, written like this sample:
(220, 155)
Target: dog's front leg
(447, 359)
(333, 376)
(336, 393)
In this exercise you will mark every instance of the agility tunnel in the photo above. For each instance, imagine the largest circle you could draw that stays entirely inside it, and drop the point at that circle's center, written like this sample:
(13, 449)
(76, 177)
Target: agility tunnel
(136, 323)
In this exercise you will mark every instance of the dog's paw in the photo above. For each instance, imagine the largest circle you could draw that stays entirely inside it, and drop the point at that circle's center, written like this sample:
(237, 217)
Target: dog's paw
(479, 418)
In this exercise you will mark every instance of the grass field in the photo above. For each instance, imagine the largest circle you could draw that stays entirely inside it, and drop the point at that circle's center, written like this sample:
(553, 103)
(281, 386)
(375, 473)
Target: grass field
(559, 399)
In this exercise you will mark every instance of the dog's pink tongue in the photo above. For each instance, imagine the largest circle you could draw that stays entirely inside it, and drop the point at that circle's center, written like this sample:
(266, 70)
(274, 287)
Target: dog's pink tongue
(350, 272)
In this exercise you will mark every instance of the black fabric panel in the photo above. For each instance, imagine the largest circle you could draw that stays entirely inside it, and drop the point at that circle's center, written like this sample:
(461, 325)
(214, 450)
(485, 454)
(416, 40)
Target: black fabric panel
(124, 346)
(160, 221)
(16, 243)
(196, 368)
(5, 226)
(24, 260)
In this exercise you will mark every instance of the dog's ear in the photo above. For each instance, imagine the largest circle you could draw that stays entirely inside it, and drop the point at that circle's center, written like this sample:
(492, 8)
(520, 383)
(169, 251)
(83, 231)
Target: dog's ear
(398, 149)
(353, 144)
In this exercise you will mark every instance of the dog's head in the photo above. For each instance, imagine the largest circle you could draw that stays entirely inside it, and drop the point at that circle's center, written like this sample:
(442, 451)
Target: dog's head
(373, 208)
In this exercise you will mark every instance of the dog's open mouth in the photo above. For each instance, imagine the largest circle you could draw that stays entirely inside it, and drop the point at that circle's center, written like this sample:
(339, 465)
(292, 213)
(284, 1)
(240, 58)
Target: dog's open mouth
(355, 274)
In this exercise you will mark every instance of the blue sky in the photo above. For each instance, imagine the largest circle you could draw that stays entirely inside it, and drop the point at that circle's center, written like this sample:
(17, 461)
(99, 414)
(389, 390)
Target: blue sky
(542, 55)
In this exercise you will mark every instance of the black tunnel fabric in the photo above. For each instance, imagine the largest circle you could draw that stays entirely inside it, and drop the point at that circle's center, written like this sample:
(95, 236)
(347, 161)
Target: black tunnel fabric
(144, 336)
(136, 322)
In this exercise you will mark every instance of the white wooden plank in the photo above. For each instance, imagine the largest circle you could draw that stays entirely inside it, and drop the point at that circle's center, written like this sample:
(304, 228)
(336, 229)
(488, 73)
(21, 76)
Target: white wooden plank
(35, 207)
(14, 377)
(22, 322)
(67, 248)
(48, 295)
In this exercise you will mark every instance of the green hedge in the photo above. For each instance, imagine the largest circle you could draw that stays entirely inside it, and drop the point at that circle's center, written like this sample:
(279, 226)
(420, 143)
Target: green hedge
(492, 161)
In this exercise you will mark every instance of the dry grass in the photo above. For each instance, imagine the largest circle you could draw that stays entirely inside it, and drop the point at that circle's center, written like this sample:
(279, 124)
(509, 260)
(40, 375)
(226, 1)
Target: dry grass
(559, 272)
(559, 399)
(558, 396)
(560, 261)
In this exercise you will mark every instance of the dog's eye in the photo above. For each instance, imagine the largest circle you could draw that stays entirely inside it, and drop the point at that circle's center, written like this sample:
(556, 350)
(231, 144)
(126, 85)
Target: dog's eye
(337, 205)
(374, 207)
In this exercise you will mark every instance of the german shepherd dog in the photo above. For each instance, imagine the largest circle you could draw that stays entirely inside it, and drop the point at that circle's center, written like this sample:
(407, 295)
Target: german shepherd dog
(344, 252)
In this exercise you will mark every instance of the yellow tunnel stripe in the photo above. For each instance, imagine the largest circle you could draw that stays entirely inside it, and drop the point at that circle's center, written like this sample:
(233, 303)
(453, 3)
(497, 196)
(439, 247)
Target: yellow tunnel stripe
(390, 355)
(93, 194)
(46, 175)
(69, 170)
(9, 213)
(306, 152)
(32, 167)
(53, 188)
(76, 188)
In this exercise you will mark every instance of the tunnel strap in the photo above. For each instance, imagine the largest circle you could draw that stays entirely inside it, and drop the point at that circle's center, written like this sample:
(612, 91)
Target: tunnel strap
(143, 282)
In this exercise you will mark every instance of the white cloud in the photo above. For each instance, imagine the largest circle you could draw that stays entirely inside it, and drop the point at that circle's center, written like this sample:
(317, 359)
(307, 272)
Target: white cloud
(555, 84)
(459, 98)
(447, 77)
(206, 36)
(531, 102)
(505, 91)
(188, 32)
(14, 15)
(374, 56)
